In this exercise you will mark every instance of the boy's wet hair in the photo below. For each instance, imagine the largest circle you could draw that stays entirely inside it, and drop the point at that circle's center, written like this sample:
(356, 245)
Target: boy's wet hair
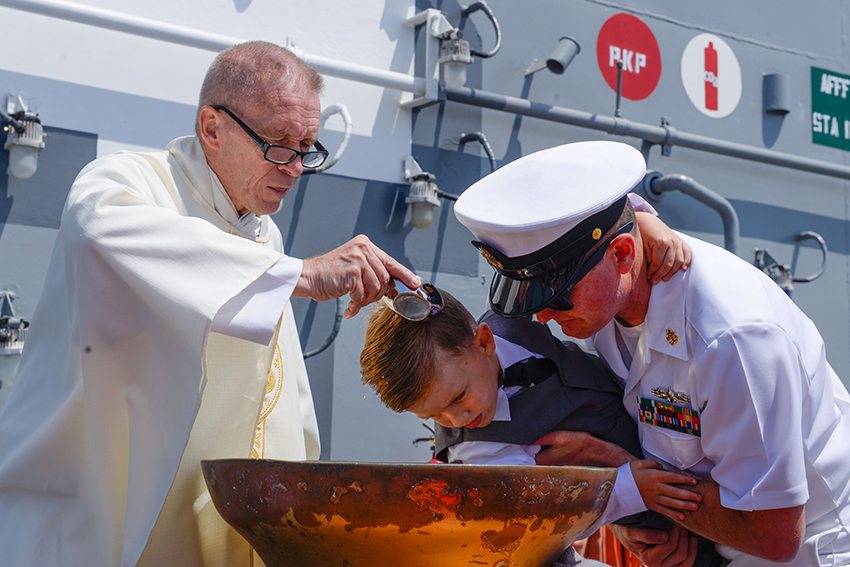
(398, 358)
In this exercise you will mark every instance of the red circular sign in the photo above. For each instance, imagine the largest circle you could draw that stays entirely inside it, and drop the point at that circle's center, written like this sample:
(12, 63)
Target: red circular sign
(625, 38)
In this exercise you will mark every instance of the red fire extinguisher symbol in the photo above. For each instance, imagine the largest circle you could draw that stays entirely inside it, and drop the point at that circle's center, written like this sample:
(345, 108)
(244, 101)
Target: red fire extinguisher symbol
(710, 77)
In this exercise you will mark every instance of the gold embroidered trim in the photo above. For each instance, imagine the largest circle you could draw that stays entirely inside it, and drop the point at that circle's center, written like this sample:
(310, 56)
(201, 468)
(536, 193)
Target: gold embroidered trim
(273, 390)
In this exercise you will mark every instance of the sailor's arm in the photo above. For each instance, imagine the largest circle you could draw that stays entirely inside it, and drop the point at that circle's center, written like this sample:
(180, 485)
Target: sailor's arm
(775, 535)
(771, 534)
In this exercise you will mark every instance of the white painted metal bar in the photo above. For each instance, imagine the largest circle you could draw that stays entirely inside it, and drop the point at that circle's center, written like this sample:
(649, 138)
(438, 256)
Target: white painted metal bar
(117, 21)
(181, 35)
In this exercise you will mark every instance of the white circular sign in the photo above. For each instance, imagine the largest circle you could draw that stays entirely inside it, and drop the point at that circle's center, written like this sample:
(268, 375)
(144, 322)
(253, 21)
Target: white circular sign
(711, 75)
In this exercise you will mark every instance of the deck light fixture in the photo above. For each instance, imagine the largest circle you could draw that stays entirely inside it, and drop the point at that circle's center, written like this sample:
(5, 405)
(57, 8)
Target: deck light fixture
(24, 140)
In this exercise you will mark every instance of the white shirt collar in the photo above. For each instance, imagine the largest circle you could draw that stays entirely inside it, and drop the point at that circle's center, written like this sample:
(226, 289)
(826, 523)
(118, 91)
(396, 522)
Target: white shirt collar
(508, 354)
(503, 408)
(665, 324)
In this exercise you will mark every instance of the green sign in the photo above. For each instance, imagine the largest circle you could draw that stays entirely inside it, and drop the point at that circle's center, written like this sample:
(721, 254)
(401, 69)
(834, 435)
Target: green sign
(830, 109)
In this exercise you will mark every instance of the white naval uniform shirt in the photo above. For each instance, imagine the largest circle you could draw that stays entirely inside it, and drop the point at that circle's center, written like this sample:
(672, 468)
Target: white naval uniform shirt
(625, 498)
(774, 416)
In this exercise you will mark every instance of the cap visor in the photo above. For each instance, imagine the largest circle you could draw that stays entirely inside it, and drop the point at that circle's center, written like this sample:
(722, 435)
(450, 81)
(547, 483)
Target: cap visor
(521, 298)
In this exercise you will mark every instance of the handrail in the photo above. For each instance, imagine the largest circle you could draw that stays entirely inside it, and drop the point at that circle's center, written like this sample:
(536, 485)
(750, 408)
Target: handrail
(655, 184)
(663, 135)
(145, 27)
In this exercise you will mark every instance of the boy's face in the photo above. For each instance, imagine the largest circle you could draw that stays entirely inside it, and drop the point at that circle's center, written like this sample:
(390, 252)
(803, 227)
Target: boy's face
(463, 390)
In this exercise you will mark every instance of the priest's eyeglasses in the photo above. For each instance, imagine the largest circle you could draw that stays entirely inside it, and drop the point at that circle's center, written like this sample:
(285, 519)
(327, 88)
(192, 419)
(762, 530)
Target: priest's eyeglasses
(281, 155)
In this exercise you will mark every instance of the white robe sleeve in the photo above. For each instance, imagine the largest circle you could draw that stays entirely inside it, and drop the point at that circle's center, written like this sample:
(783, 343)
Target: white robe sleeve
(492, 453)
(253, 313)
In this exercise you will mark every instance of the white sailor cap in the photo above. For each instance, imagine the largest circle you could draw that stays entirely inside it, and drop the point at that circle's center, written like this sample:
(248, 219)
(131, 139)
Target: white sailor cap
(536, 218)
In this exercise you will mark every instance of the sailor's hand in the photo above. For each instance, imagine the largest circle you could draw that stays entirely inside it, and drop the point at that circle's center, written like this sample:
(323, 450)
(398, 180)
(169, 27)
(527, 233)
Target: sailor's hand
(579, 448)
(357, 268)
(655, 548)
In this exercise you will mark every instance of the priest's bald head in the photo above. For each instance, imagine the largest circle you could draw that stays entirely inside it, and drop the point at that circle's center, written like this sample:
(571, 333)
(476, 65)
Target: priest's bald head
(258, 123)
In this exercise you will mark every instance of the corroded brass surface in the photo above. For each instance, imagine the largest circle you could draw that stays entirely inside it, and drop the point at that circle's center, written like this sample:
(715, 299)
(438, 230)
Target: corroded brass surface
(410, 515)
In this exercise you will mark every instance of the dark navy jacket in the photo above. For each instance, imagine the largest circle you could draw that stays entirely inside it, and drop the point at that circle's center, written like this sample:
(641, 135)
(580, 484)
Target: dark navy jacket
(584, 396)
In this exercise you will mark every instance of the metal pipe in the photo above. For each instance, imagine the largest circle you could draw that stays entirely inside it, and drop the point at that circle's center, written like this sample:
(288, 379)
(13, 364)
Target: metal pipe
(334, 330)
(819, 239)
(617, 112)
(336, 108)
(17, 125)
(486, 9)
(663, 135)
(655, 184)
(666, 135)
(482, 139)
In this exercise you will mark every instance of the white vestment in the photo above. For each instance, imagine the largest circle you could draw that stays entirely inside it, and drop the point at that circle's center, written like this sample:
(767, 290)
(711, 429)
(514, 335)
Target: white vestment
(122, 389)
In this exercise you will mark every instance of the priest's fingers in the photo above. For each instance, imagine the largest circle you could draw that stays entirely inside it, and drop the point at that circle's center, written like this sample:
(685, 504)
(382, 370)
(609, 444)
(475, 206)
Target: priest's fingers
(339, 272)
(377, 269)
(397, 271)
(371, 279)
(357, 268)
(376, 278)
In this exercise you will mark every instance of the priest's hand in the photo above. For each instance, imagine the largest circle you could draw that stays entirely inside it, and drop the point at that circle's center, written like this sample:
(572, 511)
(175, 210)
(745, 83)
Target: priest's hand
(357, 268)
(579, 448)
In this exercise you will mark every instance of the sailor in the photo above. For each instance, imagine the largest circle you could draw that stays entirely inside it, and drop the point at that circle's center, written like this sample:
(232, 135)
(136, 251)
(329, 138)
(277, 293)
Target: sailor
(724, 375)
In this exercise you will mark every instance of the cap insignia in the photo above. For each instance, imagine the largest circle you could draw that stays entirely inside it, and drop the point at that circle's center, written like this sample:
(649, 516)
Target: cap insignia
(672, 338)
(489, 257)
(597, 233)
(670, 396)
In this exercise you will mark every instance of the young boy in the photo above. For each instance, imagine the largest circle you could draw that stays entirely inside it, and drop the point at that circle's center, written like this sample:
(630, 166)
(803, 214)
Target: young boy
(496, 386)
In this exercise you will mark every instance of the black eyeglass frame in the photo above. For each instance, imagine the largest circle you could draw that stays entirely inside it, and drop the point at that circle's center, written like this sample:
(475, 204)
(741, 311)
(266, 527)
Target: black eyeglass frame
(265, 146)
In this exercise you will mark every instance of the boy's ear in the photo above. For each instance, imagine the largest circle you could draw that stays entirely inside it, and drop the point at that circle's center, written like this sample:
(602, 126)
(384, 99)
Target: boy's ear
(484, 339)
